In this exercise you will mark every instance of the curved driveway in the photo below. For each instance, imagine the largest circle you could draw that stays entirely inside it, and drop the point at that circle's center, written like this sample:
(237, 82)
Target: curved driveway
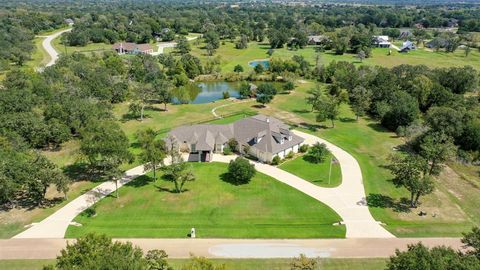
(348, 199)
(47, 45)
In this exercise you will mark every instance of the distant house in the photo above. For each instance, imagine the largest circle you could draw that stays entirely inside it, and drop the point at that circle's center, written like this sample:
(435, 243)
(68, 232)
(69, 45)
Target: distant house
(381, 41)
(407, 46)
(262, 136)
(317, 40)
(68, 21)
(132, 48)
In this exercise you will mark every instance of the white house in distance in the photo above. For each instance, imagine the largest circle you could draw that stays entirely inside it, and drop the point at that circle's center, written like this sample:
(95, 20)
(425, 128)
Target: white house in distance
(132, 48)
(265, 137)
(381, 41)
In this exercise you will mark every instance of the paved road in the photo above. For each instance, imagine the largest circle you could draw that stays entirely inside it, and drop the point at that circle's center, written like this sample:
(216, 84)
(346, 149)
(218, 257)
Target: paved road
(348, 199)
(47, 45)
(235, 248)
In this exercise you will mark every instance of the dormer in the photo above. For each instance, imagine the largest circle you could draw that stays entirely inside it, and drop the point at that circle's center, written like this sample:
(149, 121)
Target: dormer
(282, 141)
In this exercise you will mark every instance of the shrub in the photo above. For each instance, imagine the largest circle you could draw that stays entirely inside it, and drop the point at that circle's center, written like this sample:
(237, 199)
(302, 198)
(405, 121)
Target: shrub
(90, 212)
(317, 153)
(226, 95)
(276, 160)
(233, 145)
(303, 148)
(290, 155)
(241, 171)
(289, 86)
(227, 151)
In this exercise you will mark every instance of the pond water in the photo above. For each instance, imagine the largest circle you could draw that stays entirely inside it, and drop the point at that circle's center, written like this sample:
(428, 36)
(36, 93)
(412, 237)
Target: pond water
(205, 92)
(264, 63)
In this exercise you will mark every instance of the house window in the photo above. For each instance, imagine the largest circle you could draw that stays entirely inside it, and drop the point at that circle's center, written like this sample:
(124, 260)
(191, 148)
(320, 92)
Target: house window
(290, 137)
(193, 148)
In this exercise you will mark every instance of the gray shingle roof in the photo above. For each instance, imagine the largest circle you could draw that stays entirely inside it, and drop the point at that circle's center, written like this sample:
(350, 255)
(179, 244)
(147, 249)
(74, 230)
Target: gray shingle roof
(262, 132)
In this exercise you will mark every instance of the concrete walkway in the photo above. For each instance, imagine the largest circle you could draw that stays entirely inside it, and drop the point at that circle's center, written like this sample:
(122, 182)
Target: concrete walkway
(47, 45)
(348, 199)
(236, 248)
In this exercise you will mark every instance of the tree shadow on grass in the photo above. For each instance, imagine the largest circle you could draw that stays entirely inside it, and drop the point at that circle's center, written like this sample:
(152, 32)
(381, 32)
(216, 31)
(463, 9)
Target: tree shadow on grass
(312, 127)
(308, 158)
(383, 201)
(82, 171)
(227, 178)
(303, 111)
(140, 181)
(347, 120)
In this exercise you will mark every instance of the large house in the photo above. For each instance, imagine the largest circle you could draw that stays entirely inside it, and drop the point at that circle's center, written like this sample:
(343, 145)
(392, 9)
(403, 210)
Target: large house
(132, 48)
(264, 137)
(381, 41)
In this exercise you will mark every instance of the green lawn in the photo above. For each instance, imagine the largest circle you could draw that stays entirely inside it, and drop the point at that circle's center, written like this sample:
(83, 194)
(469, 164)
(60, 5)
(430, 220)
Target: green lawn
(40, 57)
(264, 208)
(230, 56)
(231, 264)
(318, 174)
(90, 48)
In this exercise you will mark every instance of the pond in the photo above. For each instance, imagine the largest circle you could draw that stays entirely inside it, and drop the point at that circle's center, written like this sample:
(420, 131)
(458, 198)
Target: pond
(265, 63)
(205, 92)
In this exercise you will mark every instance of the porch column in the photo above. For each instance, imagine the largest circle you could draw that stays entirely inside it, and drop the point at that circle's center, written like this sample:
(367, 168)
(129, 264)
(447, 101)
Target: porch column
(199, 156)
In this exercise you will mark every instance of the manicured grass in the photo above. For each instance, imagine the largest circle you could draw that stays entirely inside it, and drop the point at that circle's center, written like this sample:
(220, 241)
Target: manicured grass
(315, 173)
(454, 202)
(231, 264)
(90, 48)
(264, 208)
(230, 56)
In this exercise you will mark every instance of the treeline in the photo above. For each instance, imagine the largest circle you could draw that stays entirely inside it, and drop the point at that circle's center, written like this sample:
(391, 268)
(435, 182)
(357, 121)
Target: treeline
(416, 101)
(17, 30)
(145, 21)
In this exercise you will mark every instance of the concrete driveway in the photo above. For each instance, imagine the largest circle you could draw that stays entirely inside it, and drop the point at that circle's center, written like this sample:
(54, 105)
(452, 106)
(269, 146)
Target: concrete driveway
(47, 45)
(348, 199)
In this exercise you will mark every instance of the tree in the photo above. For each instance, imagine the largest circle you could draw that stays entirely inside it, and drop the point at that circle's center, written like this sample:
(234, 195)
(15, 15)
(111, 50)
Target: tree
(242, 43)
(144, 94)
(437, 148)
(314, 97)
(179, 172)
(472, 241)
(361, 55)
(210, 49)
(317, 153)
(418, 257)
(153, 151)
(445, 120)
(403, 110)
(410, 172)
(259, 68)
(241, 171)
(99, 252)
(183, 47)
(104, 143)
(202, 263)
(265, 93)
(163, 92)
(327, 108)
(238, 68)
(288, 86)
(360, 100)
(303, 263)
(245, 90)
